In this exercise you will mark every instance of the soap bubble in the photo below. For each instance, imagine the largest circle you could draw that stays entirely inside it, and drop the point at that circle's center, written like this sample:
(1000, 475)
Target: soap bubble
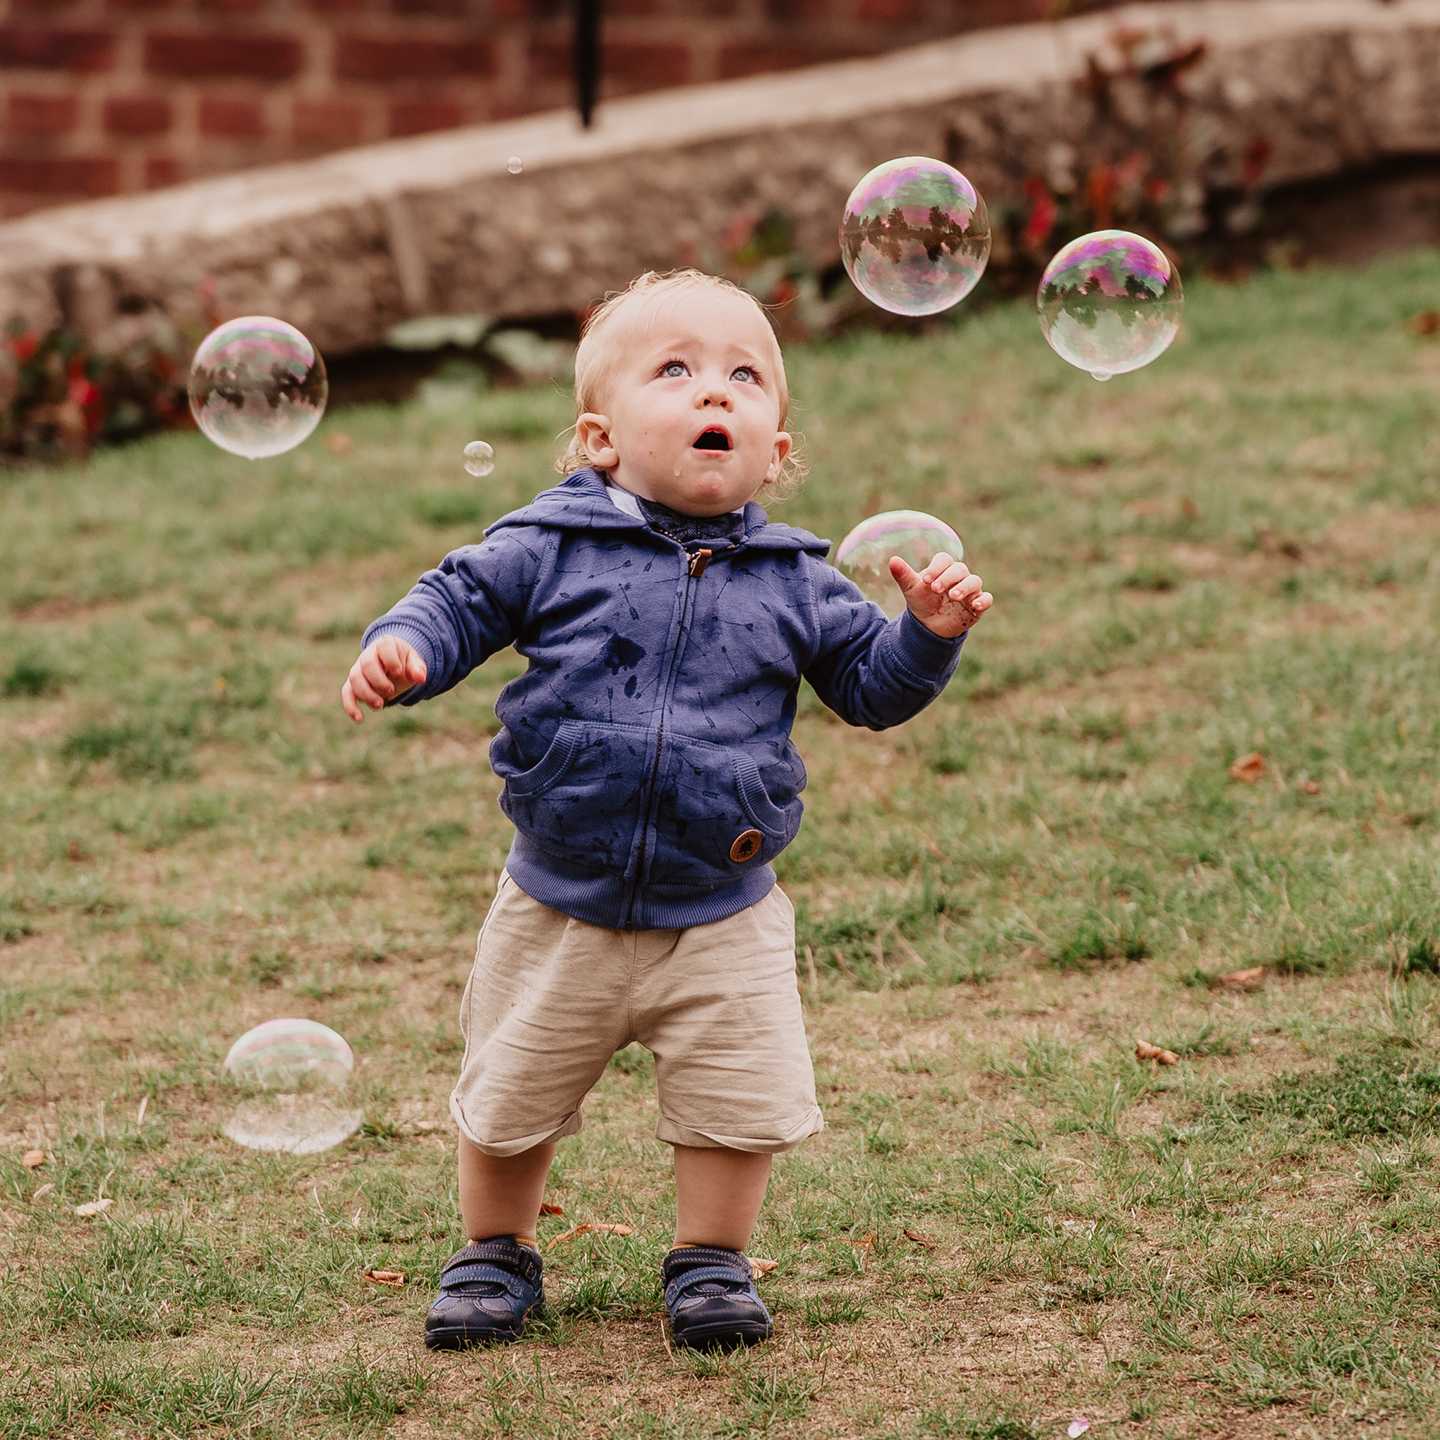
(479, 458)
(915, 237)
(296, 1075)
(1110, 302)
(257, 387)
(514, 164)
(864, 554)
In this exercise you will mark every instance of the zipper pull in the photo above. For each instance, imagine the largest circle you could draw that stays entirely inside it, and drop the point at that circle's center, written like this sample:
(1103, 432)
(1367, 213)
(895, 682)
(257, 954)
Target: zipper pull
(698, 561)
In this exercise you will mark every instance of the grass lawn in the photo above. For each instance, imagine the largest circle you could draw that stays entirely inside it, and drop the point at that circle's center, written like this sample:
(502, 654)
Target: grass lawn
(1010, 1222)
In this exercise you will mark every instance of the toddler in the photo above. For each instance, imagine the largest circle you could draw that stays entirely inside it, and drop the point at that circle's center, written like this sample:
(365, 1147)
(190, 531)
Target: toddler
(650, 778)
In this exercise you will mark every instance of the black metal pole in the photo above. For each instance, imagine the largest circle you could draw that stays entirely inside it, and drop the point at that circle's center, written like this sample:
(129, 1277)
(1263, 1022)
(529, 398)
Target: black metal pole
(587, 57)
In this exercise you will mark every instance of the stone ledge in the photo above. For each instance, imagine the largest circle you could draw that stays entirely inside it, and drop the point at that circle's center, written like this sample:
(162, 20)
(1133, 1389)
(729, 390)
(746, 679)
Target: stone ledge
(348, 245)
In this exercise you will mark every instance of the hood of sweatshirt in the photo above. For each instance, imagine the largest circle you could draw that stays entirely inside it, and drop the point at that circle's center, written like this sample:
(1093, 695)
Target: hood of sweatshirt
(582, 502)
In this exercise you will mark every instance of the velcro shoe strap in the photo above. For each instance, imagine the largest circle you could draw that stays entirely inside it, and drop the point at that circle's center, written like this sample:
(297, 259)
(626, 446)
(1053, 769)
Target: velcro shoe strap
(518, 1260)
(707, 1255)
(513, 1284)
(731, 1274)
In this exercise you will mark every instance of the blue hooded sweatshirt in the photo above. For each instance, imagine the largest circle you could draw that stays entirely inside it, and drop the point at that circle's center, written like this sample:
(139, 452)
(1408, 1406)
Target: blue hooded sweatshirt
(646, 753)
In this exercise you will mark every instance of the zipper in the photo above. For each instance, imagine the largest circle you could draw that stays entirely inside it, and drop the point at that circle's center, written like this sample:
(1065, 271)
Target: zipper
(694, 569)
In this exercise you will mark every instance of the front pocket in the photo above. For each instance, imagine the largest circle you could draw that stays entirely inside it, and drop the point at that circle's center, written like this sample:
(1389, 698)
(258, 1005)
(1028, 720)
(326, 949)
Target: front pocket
(581, 801)
(710, 796)
(551, 765)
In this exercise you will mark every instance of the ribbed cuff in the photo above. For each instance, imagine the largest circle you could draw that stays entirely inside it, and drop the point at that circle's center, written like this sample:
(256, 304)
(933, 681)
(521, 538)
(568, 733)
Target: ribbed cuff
(923, 651)
(414, 636)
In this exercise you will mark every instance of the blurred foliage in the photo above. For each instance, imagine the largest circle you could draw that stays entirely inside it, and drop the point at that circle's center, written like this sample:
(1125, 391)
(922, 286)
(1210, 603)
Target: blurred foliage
(61, 395)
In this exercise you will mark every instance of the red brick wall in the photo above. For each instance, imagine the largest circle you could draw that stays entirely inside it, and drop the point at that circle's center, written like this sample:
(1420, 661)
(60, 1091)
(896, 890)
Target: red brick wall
(102, 97)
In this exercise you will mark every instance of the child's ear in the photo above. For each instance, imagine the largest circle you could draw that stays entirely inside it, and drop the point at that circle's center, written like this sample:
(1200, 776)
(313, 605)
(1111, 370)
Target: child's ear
(783, 443)
(593, 432)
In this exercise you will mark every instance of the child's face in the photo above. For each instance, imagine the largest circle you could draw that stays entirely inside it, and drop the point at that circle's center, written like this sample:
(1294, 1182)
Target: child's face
(703, 363)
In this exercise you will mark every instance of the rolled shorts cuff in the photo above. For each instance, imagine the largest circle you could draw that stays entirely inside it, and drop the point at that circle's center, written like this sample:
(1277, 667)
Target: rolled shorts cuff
(782, 1136)
(569, 1126)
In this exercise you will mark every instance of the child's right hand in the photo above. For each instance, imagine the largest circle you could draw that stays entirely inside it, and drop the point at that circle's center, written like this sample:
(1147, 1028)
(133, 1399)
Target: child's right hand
(385, 669)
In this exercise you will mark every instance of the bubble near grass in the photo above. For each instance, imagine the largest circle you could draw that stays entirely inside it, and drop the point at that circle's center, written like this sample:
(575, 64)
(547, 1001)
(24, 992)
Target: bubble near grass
(864, 554)
(915, 236)
(1110, 302)
(479, 458)
(296, 1075)
(257, 387)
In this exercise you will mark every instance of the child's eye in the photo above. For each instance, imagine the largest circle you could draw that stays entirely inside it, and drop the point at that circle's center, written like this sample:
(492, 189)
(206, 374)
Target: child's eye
(673, 369)
(749, 372)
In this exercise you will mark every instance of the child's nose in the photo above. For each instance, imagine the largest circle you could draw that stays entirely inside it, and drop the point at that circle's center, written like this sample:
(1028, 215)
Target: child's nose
(714, 392)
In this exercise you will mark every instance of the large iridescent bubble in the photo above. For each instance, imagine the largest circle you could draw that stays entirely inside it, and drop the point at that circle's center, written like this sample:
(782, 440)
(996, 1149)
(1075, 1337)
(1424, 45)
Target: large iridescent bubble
(294, 1076)
(1110, 302)
(864, 554)
(257, 387)
(915, 236)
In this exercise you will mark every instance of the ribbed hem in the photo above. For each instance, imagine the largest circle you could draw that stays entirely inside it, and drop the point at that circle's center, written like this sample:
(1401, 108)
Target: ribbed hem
(922, 650)
(601, 899)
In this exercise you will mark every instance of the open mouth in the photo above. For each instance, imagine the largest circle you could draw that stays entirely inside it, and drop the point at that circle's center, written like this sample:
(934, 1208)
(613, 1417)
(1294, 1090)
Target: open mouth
(711, 438)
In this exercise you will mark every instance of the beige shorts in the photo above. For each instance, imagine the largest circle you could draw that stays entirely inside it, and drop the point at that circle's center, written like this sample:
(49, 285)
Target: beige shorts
(551, 998)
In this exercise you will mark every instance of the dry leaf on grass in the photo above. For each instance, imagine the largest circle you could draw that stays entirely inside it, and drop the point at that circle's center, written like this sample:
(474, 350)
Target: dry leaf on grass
(42, 1192)
(337, 442)
(548, 1209)
(1248, 768)
(1146, 1051)
(865, 1242)
(33, 1159)
(598, 1228)
(1425, 322)
(1250, 979)
(386, 1277)
(920, 1239)
(94, 1207)
(1308, 787)
(759, 1267)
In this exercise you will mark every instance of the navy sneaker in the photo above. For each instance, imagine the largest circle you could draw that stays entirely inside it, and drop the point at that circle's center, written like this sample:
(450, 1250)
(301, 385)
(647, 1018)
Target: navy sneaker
(711, 1298)
(487, 1292)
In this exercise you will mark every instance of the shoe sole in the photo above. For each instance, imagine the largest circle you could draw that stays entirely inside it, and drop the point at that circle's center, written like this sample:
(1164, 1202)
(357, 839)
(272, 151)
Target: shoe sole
(461, 1337)
(721, 1336)
(457, 1337)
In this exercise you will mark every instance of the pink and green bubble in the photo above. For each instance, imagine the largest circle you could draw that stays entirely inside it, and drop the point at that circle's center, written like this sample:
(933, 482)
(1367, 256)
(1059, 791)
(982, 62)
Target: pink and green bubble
(1110, 302)
(915, 236)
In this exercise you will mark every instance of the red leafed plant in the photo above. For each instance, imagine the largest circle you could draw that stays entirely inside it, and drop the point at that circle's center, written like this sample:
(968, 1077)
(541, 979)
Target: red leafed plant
(60, 396)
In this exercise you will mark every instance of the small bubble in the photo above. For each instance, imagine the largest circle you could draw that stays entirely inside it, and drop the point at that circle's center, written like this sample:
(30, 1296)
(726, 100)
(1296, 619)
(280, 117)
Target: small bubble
(479, 458)
(514, 164)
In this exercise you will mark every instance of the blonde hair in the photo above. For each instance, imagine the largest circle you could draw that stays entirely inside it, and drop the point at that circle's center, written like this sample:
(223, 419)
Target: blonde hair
(596, 353)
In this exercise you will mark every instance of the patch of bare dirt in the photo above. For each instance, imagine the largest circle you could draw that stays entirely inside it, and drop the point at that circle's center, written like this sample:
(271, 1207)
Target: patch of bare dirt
(68, 607)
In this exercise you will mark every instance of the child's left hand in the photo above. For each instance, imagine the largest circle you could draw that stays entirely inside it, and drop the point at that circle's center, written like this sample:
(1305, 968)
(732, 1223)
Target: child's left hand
(944, 597)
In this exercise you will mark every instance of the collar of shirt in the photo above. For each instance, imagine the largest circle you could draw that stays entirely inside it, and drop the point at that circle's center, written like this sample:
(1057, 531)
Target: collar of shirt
(688, 530)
